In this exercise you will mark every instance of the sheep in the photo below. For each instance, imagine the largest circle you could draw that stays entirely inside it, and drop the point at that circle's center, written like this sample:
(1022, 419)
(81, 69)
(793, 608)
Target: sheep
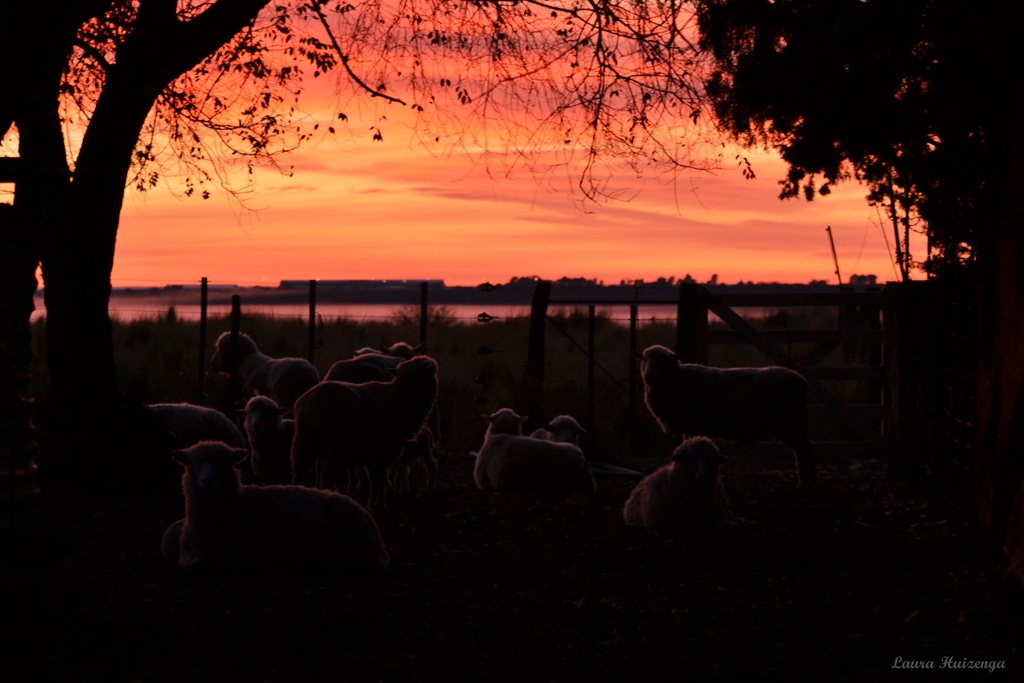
(563, 429)
(370, 365)
(509, 461)
(685, 494)
(282, 379)
(270, 439)
(180, 425)
(230, 525)
(736, 404)
(363, 367)
(420, 449)
(398, 350)
(347, 425)
(504, 421)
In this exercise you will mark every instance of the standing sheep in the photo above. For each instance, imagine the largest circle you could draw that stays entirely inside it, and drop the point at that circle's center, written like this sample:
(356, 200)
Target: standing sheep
(509, 461)
(282, 379)
(348, 426)
(370, 365)
(270, 439)
(362, 368)
(258, 527)
(737, 404)
(687, 493)
(422, 450)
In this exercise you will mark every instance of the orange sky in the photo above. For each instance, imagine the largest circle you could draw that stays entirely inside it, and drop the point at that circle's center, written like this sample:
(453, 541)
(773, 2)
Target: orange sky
(358, 209)
(363, 209)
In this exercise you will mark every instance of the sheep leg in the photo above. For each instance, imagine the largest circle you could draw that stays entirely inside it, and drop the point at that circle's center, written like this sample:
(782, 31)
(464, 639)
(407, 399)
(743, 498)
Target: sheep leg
(378, 487)
(806, 468)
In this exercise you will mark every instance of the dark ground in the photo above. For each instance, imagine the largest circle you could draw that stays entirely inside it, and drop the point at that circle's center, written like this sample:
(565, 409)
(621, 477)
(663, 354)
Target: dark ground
(514, 588)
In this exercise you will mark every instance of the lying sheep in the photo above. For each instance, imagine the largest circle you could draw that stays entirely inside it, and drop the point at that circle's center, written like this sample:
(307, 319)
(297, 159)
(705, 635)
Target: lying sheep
(228, 525)
(563, 429)
(737, 404)
(282, 379)
(509, 461)
(180, 425)
(687, 493)
(346, 426)
(270, 439)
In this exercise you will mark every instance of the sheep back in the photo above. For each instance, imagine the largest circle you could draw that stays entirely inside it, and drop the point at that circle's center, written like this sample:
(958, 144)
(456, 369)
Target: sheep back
(283, 379)
(356, 425)
(739, 404)
(186, 424)
(513, 463)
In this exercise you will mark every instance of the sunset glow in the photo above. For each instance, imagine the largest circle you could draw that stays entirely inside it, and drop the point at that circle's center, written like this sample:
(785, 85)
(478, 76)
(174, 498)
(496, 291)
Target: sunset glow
(357, 209)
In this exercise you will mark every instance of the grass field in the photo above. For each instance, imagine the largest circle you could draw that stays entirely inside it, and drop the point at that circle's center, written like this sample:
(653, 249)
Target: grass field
(482, 365)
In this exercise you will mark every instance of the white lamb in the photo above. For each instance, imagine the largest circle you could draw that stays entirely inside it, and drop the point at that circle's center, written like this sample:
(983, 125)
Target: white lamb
(509, 461)
(180, 425)
(737, 404)
(270, 439)
(563, 429)
(686, 494)
(228, 525)
(504, 421)
(346, 426)
(282, 379)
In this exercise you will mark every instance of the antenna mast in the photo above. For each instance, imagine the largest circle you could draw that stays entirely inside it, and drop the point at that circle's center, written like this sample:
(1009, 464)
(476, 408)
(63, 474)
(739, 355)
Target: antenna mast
(835, 259)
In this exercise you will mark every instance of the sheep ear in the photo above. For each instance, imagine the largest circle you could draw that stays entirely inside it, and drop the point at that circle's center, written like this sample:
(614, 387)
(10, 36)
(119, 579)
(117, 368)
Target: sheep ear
(180, 457)
(420, 348)
(241, 454)
(489, 418)
(282, 411)
(382, 348)
(523, 419)
(582, 431)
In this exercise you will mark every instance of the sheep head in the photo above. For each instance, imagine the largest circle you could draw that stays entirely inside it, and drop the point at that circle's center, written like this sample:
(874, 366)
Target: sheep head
(656, 361)
(565, 429)
(505, 421)
(696, 462)
(211, 468)
(222, 356)
(262, 415)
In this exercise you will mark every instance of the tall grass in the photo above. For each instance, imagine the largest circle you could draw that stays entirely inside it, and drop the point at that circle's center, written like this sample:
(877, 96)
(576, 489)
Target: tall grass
(482, 364)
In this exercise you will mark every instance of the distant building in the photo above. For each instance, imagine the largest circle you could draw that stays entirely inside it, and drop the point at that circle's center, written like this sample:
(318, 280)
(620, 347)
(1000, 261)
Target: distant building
(360, 285)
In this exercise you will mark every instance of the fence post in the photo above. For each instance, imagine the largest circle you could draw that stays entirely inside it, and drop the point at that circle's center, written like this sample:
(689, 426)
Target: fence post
(234, 381)
(424, 313)
(591, 321)
(692, 324)
(633, 372)
(312, 321)
(204, 286)
(533, 381)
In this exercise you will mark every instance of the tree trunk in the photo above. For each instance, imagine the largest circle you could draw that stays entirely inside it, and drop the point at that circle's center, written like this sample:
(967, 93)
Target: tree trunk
(77, 263)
